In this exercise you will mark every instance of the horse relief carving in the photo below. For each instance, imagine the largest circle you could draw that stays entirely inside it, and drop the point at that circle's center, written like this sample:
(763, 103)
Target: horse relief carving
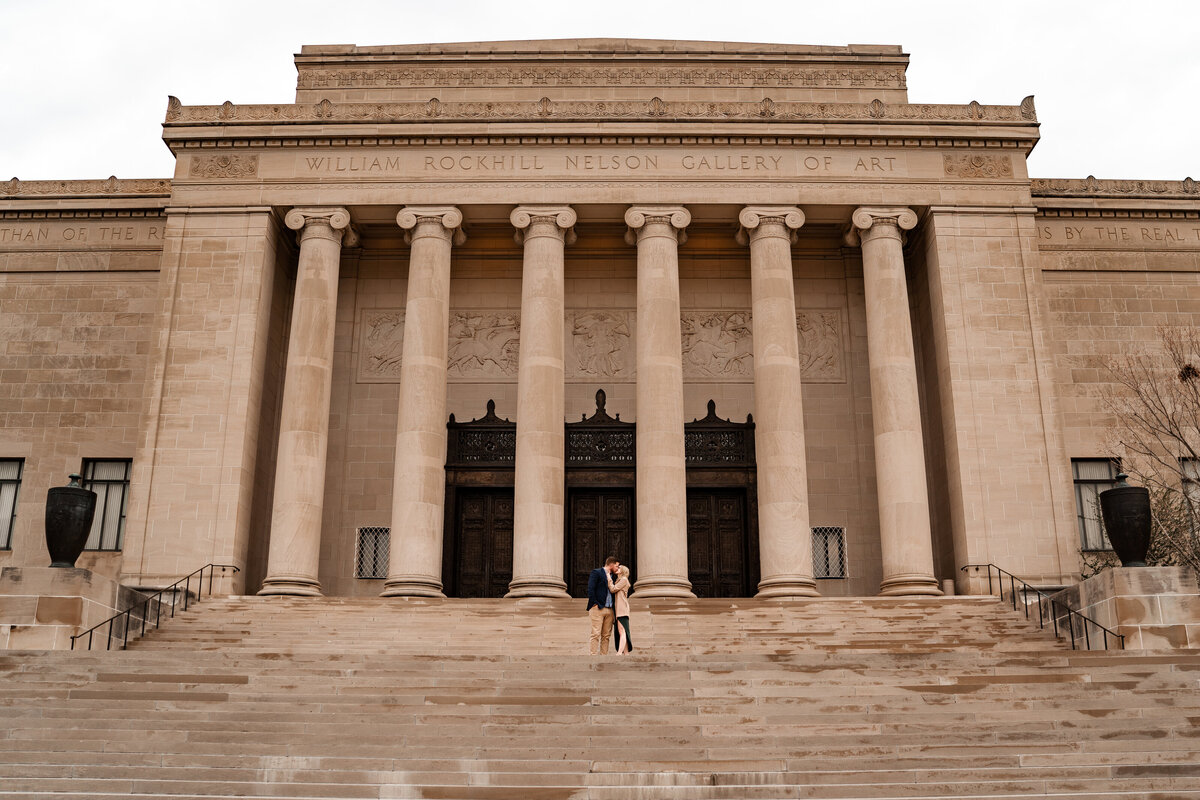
(820, 333)
(382, 332)
(717, 344)
(483, 345)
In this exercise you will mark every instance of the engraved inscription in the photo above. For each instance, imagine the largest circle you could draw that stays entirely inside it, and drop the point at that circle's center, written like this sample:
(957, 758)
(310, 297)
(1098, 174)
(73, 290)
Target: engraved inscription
(74, 235)
(1117, 235)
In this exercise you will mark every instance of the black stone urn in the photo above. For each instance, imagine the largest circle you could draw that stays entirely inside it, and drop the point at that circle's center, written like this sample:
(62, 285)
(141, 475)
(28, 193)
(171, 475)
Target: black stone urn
(69, 512)
(1126, 512)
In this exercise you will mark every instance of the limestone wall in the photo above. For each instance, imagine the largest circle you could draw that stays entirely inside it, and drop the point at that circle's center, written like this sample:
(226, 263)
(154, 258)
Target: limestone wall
(78, 280)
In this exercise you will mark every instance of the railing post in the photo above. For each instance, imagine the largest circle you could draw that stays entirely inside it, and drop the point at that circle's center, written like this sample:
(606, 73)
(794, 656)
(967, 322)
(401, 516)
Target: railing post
(1087, 639)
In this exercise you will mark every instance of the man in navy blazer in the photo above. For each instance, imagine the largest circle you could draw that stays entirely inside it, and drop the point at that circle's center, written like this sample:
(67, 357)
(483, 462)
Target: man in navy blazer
(600, 606)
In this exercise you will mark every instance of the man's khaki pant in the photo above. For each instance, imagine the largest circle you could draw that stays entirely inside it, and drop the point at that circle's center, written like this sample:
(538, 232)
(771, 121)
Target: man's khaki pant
(602, 624)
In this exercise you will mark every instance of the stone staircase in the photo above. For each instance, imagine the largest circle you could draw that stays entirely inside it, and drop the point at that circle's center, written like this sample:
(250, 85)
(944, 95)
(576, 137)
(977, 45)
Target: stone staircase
(496, 700)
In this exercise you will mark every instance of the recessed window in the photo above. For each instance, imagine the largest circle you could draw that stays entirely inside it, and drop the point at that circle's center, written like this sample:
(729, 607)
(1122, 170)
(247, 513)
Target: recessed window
(1092, 476)
(109, 479)
(371, 552)
(829, 551)
(10, 488)
(1189, 468)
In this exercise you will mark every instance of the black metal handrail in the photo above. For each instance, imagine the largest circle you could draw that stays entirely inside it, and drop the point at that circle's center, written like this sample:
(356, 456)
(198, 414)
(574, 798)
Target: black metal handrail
(128, 614)
(1043, 598)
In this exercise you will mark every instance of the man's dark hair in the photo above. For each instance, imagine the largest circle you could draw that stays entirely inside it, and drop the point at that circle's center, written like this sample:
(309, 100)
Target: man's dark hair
(610, 561)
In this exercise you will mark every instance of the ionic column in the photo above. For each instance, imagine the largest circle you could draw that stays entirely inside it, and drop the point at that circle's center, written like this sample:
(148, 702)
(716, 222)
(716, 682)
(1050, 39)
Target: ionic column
(661, 478)
(295, 548)
(904, 528)
(784, 535)
(419, 479)
(539, 474)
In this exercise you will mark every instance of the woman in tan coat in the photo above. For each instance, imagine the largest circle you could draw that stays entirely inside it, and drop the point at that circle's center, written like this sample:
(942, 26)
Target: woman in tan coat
(620, 593)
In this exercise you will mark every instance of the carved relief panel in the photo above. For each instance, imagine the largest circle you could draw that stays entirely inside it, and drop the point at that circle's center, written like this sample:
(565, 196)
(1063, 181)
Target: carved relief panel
(717, 346)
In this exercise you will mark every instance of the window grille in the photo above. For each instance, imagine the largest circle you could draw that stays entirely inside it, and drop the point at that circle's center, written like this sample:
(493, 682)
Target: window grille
(371, 553)
(829, 551)
(10, 487)
(109, 479)
(1092, 476)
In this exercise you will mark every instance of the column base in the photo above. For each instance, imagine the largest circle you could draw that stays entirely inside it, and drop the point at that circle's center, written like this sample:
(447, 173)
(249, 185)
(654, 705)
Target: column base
(412, 586)
(787, 586)
(911, 585)
(663, 586)
(293, 585)
(538, 586)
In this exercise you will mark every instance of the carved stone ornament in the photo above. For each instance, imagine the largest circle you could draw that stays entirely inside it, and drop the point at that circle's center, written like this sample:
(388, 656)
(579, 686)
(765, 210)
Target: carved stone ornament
(599, 345)
(833, 78)
(564, 219)
(224, 165)
(1092, 187)
(380, 345)
(822, 355)
(338, 220)
(450, 217)
(651, 109)
(636, 218)
(108, 186)
(751, 217)
(717, 346)
(978, 165)
(864, 218)
(483, 346)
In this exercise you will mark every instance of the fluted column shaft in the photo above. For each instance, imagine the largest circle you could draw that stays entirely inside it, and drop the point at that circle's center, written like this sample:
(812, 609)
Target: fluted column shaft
(784, 534)
(539, 475)
(419, 479)
(661, 477)
(295, 547)
(904, 527)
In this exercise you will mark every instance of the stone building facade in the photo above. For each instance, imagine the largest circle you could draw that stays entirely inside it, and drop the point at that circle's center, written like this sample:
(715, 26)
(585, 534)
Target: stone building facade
(740, 313)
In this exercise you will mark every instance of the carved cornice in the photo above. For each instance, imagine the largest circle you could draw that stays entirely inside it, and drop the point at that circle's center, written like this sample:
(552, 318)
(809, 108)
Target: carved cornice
(111, 186)
(751, 217)
(829, 78)
(450, 217)
(564, 218)
(405, 140)
(1092, 187)
(655, 109)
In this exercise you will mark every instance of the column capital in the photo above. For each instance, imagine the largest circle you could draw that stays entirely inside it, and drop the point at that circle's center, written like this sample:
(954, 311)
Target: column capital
(327, 223)
(880, 221)
(781, 221)
(637, 217)
(448, 217)
(563, 218)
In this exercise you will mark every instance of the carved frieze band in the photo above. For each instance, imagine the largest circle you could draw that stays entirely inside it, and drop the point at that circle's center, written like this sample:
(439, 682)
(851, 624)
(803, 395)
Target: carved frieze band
(838, 78)
(546, 109)
(110, 185)
(717, 346)
(1092, 187)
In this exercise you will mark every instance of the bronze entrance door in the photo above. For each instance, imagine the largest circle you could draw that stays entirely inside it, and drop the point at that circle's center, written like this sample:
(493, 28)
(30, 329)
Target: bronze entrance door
(600, 523)
(484, 542)
(718, 547)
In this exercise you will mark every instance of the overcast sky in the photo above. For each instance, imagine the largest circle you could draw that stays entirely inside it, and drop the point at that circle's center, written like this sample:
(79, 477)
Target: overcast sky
(85, 83)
